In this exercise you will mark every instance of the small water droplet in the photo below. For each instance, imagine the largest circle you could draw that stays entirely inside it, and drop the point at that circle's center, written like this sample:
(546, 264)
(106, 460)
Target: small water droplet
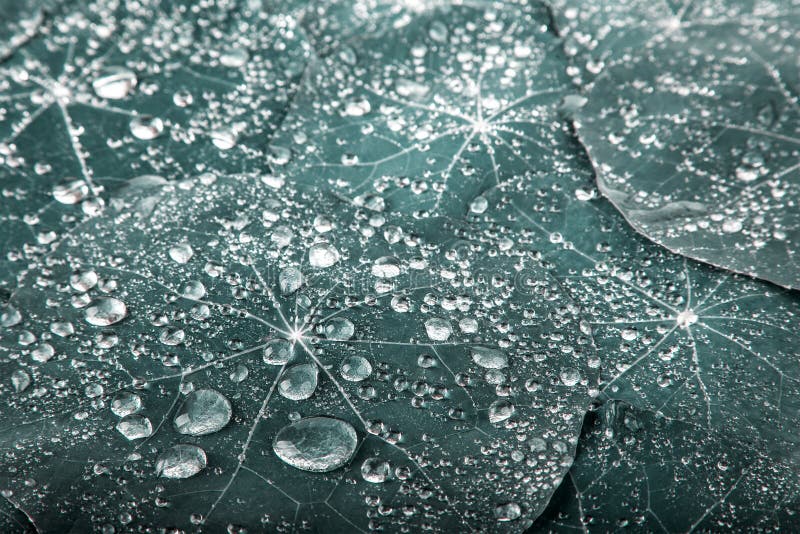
(106, 311)
(146, 127)
(114, 83)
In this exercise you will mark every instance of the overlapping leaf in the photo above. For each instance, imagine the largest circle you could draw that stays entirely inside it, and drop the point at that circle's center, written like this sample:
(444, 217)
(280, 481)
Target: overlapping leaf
(691, 125)
(639, 471)
(476, 367)
(105, 93)
(435, 112)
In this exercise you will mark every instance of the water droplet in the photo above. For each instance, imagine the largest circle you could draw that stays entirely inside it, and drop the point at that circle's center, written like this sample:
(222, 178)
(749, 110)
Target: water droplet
(375, 470)
(507, 512)
(489, 358)
(181, 253)
(10, 316)
(500, 410)
(234, 58)
(322, 255)
(181, 461)
(224, 138)
(71, 192)
(411, 89)
(83, 281)
(135, 426)
(479, 205)
(278, 351)
(355, 368)
(205, 411)
(20, 380)
(438, 329)
(146, 127)
(114, 83)
(106, 311)
(125, 403)
(731, 226)
(194, 290)
(290, 280)
(316, 444)
(299, 381)
(386, 267)
(339, 328)
(570, 376)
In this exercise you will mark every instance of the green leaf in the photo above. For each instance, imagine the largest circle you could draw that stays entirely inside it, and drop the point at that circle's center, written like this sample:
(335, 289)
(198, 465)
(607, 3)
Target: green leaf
(475, 367)
(107, 93)
(691, 126)
(640, 471)
(451, 104)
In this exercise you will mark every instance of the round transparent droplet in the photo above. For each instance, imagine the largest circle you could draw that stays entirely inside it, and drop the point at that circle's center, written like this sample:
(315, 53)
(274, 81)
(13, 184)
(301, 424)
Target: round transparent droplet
(203, 412)
(106, 311)
(316, 444)
(181, 461)
(135, 426)
(355, 368)
(375, 470)
(298, 382)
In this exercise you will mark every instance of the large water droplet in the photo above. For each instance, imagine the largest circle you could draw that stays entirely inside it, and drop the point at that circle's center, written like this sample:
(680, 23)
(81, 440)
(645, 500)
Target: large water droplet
(489, 358)
(114, 83)
(339, 328)
(205, 411)
(438, 329)
(317, 444)
(355, 368)
(386, 267)
(135, 427)
(146, 127)
(375, 470)
(126, 403)
(106, 311)
(181, 253)
(299, 381)
(507, 511)
(181, 461)
(278, 351)
(500, 410)
(290, 280)
(71, 192)
(322, 255)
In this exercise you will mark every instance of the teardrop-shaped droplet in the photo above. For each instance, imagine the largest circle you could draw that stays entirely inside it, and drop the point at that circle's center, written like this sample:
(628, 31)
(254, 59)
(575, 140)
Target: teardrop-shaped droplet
(278, 351)
(290, 280)
(316, 444)
(355, 368)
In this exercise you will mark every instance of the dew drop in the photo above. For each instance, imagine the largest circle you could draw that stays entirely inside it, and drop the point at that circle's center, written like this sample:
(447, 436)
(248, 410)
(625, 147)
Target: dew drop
(106, 311)
(181, 253)
(278, 351)
(339, 328)
(355, 368)
(438, 329)
(205, 411)
(146, 127)
(135, 426)
(322, 255)
(316, 444)
(375, 470)
(71, 192)
(299, 381)
(114, 83)
(290, 280)
(125, 403)
(507, 512)
(489, 358)
(181, 461)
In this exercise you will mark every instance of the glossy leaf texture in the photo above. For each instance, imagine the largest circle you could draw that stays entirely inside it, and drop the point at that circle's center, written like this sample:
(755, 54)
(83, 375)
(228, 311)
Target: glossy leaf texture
(636, 470)
(107, 95)
(691, 120)
(453, 363)
(434, 112)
